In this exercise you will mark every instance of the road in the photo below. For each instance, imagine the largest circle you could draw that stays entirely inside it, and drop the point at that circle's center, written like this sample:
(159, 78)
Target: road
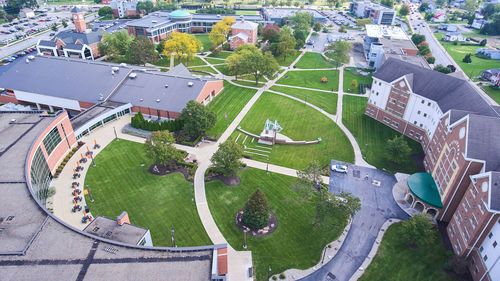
(434, 45)
(14, 48)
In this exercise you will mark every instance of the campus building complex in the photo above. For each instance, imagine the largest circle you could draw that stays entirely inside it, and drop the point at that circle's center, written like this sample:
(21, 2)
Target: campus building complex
(157, 25)
(78, 85)
(459, 132)
(36, 245)
(79, 43)
(383, 42)
(243, 32)
(378, 13)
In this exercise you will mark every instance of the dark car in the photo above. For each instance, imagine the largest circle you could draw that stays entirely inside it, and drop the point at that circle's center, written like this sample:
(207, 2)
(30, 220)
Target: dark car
(52, 34)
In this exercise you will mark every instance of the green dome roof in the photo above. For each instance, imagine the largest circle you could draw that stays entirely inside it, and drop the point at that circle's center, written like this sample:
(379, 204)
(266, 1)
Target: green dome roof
(423, 186)
(179, 14)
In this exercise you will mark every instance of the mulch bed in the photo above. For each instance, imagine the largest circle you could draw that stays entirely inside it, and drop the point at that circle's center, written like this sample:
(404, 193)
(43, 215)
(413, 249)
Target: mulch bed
(161, 170)
(229, 181)
(265, 231)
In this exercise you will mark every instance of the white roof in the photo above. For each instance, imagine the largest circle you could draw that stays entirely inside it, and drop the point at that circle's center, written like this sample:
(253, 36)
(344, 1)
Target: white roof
(387, 31)
(243, 24)
(241, 35)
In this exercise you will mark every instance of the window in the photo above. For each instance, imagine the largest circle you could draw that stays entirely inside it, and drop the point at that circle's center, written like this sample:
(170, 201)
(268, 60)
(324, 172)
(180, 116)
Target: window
(109, 233)
(418, 112)
(421, 125)
(387, 120)
(423, 101)
(481, 249)
(485, 257)
(415, 122)
(495, 244)
(40, 174)
(379, 83)
(376, 94)
(393, 101)
(411, 133)
(52, 140)
(490, 235)
(95, 229)
(425, 114)
(143, 242)
(429, 104)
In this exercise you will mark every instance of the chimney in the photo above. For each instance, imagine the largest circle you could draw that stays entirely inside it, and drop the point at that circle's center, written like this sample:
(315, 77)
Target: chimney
(123, 218)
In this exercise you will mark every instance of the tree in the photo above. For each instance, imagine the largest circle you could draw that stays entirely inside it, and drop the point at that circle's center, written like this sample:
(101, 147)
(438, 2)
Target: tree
(342, 29)
(258, 64)
(354, 84)
(300, 38)
(14, 6)
(260, 28)
(404, 10)
(234, 65)
(220, 31)
(181, 45)
(104, 11)
(488, 10)
(417, 38)
(197, 119)
(483, 43)
(98, 1)
(339, 52)
(317, 26)
(271, 33)
(442, 68)
(397, 149)
(160, 148)
(470, 5)
(302, 21)
(145, 7)
(159, 47)
(54, 27)
(388, 3)
(64, 23)
(142, 51)
(226, 160)
(363, 22)
(423, 49)
(286, 45)
(418, 230)
(467, 58)
(430, 59)
(115, 45)
(256, 211)
(423, 7)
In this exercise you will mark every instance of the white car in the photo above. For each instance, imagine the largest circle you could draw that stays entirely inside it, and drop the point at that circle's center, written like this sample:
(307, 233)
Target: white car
(339, 168)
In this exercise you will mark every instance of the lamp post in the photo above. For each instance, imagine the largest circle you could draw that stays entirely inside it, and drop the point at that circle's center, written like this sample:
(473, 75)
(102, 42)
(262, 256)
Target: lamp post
(92, 157)
(173, 238)
(244, 238)
(190, 191)
(269, 274)
(116, 136)
(267, 166)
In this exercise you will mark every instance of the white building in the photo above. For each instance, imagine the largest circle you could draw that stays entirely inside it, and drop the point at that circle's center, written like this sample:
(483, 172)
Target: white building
(454, 36)
(479, 23)
(26, 13)
(379, 13)
(490, 254)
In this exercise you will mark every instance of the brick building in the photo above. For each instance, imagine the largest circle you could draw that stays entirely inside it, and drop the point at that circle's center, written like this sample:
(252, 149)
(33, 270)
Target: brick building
(79, 43)
(243, 32)
(77, 85)
(459, 132)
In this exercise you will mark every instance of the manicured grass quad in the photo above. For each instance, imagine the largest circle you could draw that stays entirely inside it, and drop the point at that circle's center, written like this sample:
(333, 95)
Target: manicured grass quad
(323, 100)
(205, 41)
(196, 61)
(221, 55)
(299, 122)
(349, 76)
(215, 61)
(395, 260)
(202, 68)
(248, 83)
(120, 183)
(294, 244)
(222, 69)
(312, 60)
(372, 136)
(493, 92)
(230, 101)
(458, 52)
(286, 61)
(312, 79)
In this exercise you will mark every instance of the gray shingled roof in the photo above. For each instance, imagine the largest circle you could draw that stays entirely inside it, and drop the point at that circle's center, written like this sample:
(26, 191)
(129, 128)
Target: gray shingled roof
(483, 139)
(71, 46)
(47, 43)
(495, 191)
(70, 36)
(180, 70)
(456, 115)
(448, 91)
(61, 77)
(151, 90)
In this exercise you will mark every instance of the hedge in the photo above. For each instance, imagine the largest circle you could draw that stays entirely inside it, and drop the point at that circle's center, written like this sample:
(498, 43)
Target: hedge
(139, 122)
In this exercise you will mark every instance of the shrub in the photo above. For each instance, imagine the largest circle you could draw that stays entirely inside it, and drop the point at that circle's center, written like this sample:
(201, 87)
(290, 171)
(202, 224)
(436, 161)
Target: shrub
(431, 59)
(483, 42)
(467, 58)
(139, 122)
(274, 277)
(282, 276)
(324, 80)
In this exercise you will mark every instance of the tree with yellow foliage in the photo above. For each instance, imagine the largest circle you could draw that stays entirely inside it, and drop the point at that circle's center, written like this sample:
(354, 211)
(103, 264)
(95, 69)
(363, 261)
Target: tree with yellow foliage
(220, 31)
(182, 45)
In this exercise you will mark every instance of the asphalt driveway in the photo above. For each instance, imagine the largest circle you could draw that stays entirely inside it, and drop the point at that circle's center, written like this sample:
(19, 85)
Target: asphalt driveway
(374, 188)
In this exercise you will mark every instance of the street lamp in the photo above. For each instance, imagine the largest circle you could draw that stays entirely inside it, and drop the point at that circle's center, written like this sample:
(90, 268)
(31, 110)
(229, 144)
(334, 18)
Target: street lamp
(269, 275)
(116, 136)
(92, 157)
(244, 238)
(267, 166)
(173, 238)
(190, 191)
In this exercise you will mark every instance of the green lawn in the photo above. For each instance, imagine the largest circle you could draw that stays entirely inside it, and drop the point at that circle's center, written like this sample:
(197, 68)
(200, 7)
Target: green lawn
(312, 79)
(203, 68)
(372, 136)
(222, 69)
(458, 52)
(493, 92)
(120, 182)
(395, 260)
(312, 60)
(221, 55)
(230, 101)
(294, 244)
(349, 75)
(215, 61)
(326, 101)
(288, 60)
(248, 83)
(204, 41)
(299, 122)
(196, 61)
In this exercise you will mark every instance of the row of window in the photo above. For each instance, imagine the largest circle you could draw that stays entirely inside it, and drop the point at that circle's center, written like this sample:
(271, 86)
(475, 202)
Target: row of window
(52, 140)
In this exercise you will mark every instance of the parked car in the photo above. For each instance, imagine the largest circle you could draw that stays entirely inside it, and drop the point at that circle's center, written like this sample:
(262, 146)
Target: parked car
(52, 34)
(339, 168)
(310, 42)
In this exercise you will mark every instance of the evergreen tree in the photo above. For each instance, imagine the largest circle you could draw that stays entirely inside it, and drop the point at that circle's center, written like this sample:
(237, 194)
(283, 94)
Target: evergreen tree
(256, 214)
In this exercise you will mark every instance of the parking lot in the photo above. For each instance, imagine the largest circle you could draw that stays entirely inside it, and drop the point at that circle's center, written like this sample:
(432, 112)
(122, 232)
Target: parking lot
(374, 189)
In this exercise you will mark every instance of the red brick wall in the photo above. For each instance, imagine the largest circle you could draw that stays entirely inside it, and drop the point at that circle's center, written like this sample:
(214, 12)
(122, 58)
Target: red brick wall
(411, 52)
(476, 266)
(154, 112)
(85, 105)
(131, 30)
(398, 98)
(10, 97)
(95, 50)
(60, 43)
(211, 88)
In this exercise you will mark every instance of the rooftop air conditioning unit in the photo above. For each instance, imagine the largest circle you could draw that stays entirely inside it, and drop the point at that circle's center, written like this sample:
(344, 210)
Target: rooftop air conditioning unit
(141, 99)
(115, 68)
(123, 64)
(154, 21)
(12, 121)
(218, 16)
(190, 84)
(132, 75)
(158, 100)
(31, 57)
(166, 85)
